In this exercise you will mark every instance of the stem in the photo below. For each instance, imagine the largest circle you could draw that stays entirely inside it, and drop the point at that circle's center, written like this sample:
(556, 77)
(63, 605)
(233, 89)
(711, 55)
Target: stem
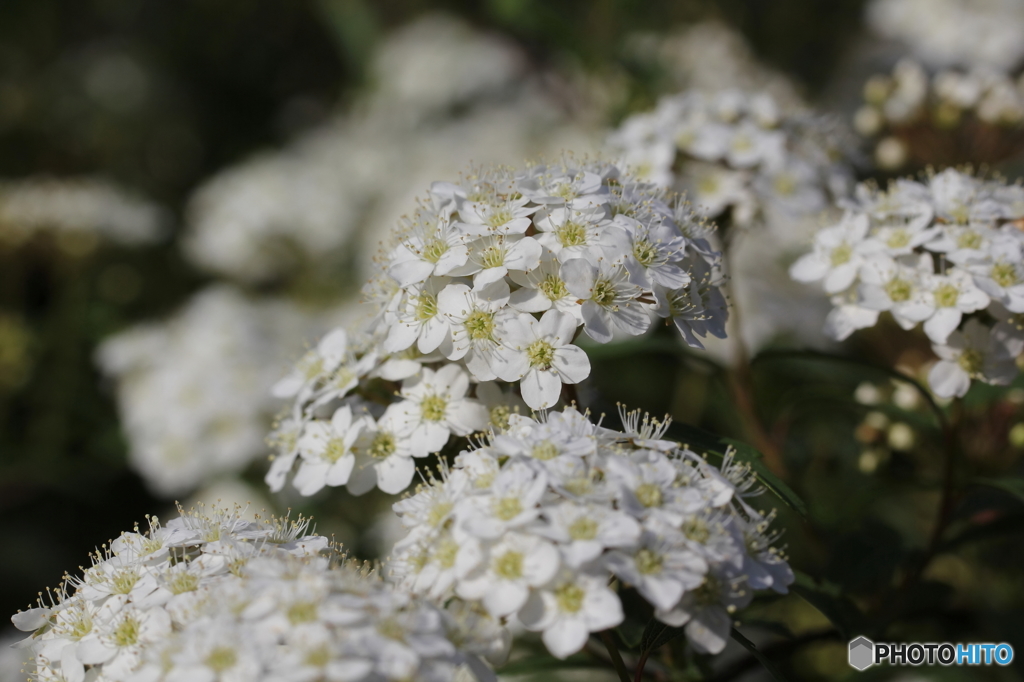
(640, 666)
(947, 503)
(613, 651)
(741, 382)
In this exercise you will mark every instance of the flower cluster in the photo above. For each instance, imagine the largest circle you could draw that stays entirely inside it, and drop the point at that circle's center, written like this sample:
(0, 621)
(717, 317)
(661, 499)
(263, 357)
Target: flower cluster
(735, 152)
(943, 33)
(538, 521)
(942, 252)
(193, 390)
(492, 280)
(79, 211)
(210, 596)
(953, 117)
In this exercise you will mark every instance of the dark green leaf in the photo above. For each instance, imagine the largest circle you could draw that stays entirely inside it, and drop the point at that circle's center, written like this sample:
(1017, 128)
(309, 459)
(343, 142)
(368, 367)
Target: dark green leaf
(539, 664)
(656, 634)
(1010, 524)
(829, 600)
(768, 665)
(1009, 484)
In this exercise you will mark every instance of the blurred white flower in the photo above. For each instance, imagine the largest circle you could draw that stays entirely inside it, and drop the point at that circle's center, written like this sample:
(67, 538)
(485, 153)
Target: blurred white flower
(194, 391)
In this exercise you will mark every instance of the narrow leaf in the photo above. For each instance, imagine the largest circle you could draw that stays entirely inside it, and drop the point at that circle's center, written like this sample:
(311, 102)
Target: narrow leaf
(656, 634)
(1009, 484)
(768, 665)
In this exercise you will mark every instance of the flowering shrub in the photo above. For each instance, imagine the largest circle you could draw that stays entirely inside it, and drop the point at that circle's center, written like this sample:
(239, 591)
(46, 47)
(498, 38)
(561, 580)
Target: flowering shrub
(537, 522)
(209, 596)
(939, 253)
(736, 151)
(492, 280)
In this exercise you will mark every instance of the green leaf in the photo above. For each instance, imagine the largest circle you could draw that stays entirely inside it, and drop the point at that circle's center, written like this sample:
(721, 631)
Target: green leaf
(829, 600)
(656, 634)
(1009, 484)
(539, 664)
(768, 665)
(1009, 524)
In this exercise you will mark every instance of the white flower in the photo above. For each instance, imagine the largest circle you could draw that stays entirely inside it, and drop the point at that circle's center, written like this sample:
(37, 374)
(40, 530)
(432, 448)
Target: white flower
(609, 298)
(974, 353)
(420, 321)
(838, 254)
(951, 295)
(583, 532)
(568, 610)
(383, 457)
(506, 571)
(324, 359)
(511, 502)
(543, 288)
(434, 247)
(660, 569)
(539, 354)
(435, 407)
(326, 451)
(476, 318)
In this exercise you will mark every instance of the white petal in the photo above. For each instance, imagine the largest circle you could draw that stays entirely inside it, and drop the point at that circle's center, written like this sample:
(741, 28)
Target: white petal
(566, 637)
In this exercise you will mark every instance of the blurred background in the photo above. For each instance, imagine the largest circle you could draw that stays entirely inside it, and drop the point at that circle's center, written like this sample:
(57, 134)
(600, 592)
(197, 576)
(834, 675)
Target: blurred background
(192, 192)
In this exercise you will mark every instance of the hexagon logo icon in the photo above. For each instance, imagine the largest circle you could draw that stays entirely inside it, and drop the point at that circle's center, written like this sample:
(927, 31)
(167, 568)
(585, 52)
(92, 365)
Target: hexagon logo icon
(862, 653)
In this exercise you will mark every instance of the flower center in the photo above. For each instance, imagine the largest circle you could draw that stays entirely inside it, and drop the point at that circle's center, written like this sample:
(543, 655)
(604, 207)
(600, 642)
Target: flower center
(969, 239)
(434, 249)
(183, 582)
(972, 362)
(554, 288)
(426, 306)
(480, 325)
(570, 598)
(302, 612)
(644, 251)
(541, 354)
(221, 658)
(544, 450)
(383, 445)
(492, 257)
(571, 234)
(583, 528)
(127, 632)
(696, 530)
(785, 184)
(499, 217)
(898, 239)
(391, 629)
(335, 450)
(648, 562)
(1004, 274)
(707, 185)
(649, 495)
(841, 254)
(446, 552)
(438, 513)
(500, 415)
(433, 408)
(507, 508)
(509, 566)
(946, 295)
(604, 292)
(899, 290)
(319, 657)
